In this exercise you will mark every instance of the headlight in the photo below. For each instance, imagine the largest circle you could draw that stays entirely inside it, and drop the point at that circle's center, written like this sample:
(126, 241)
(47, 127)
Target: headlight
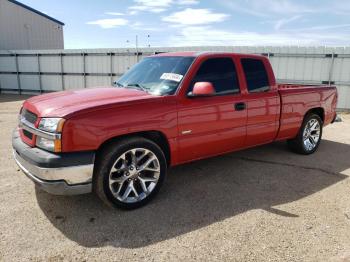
(51, 124)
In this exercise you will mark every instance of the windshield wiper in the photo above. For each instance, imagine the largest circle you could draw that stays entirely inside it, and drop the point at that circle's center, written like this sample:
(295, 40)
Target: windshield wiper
(117, 84)
(137, 86)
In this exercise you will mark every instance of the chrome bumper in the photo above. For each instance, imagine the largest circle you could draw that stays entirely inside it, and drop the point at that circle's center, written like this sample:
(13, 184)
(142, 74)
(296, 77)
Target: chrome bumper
(59, 181)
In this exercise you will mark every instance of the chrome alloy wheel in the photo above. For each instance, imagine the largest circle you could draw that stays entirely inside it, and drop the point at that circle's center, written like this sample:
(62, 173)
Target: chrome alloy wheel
(311, 134)
(134, 175)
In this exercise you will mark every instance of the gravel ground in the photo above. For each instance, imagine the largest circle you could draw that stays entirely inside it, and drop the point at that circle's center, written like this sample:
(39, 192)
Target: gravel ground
(261, 204)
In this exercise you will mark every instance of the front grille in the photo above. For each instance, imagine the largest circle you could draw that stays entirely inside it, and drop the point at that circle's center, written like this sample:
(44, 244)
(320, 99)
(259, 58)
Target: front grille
(29, 116)
(27, 134)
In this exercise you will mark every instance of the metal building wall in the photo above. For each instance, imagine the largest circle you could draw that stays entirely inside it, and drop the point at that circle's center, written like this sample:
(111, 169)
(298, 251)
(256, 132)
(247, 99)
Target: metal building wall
(29, 71)
(21, 28)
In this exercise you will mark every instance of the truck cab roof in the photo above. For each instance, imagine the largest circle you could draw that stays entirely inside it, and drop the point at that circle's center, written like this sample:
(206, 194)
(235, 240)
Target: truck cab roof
(206, 53)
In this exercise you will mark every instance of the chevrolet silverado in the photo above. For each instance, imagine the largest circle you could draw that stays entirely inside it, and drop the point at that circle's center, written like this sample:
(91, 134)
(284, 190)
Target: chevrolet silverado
(168, 109)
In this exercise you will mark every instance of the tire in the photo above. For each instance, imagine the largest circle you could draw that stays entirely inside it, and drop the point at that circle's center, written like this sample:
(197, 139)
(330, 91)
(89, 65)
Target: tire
(307, 144)
(139, 169)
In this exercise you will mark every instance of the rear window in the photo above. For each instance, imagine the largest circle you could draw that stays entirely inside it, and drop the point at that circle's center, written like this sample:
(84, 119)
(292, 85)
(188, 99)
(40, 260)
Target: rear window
(255, 74)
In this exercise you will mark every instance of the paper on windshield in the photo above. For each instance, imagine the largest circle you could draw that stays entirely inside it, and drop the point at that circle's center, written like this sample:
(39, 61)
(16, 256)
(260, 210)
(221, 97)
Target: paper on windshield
(171, 76)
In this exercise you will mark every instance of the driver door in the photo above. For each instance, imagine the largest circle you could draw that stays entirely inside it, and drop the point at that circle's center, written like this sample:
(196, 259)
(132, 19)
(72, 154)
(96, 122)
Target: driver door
(212, 125)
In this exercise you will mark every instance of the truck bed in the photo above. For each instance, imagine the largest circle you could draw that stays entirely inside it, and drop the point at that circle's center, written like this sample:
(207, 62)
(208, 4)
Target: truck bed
(283, 86)
(296, 100)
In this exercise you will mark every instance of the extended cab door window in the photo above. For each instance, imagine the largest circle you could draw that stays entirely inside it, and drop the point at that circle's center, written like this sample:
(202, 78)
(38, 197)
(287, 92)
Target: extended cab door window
(221, 72)
(262, 106)
(255, 75)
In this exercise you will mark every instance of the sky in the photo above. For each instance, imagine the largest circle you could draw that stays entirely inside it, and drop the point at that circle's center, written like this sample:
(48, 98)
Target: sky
(115, 23)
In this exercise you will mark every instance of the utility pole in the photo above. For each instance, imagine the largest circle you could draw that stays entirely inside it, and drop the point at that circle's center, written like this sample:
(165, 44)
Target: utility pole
(137, 48)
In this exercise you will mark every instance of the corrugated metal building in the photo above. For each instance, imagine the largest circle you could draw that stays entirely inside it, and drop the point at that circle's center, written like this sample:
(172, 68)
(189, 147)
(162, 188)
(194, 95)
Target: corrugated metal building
(22, 27)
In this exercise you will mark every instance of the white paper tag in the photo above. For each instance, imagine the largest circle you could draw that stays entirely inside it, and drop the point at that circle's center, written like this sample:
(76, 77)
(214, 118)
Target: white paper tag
(171, 76)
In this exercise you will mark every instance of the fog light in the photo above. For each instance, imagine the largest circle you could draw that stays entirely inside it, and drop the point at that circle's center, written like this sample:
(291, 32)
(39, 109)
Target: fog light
(45, 143)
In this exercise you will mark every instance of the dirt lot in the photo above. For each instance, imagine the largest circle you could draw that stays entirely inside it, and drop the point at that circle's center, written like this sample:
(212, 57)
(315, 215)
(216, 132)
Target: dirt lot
(262, 204)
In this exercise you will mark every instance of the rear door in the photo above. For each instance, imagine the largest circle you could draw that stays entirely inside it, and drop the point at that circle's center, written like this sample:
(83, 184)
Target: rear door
(212, 125)
(262, 102)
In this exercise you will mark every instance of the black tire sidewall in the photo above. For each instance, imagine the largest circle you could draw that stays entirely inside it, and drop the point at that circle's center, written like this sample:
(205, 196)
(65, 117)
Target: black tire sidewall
(121, 148)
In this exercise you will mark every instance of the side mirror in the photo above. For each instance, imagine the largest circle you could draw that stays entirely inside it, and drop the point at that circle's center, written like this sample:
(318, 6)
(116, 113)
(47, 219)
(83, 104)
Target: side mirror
(202, 89)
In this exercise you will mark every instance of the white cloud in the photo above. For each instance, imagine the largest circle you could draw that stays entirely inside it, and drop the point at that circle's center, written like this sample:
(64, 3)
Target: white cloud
(114, 13)
(133, 12)
(157, 6)
(282, 22)
(154, 6)
(191, 16)
(264, 8)
(322, 27)
(279, 6)
(109, 23)
(135, 9)
(206, 35)
(339, 7)
(154, 3)
(187, 2)
(145, 27)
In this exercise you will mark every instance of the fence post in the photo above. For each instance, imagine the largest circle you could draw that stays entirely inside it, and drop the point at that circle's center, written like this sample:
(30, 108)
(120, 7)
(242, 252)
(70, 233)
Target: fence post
(111, 67)
(330, 75)
(39, 71)
(137, 48)
(17, 73)
(62, 77)
(84, 69)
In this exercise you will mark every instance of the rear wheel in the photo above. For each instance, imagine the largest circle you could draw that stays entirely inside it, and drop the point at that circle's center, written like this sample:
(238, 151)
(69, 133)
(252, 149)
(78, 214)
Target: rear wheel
(130, 173)
(309, 135)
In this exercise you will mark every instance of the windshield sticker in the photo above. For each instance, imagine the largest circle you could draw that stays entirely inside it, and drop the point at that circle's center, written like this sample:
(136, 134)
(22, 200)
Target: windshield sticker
(171, 76)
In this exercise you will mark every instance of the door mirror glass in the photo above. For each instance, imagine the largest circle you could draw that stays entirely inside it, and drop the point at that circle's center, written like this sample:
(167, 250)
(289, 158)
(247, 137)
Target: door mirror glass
(202, 89)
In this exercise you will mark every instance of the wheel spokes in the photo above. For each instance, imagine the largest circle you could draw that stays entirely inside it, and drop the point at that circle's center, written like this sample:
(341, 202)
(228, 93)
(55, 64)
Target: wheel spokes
(151, 169)
(119, 180)
(147, 163)
(133, 156)
(312, 141)
(134, 175)
(144, 153)
(127, 191)
(149, 179)
(143, 185)
(311, 134)
(314, 126)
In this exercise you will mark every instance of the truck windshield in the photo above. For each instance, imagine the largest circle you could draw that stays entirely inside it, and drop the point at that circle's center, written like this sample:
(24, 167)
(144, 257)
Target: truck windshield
(157, 75)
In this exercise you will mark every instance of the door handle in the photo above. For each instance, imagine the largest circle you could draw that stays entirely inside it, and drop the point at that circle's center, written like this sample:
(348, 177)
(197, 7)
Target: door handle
(240, 106)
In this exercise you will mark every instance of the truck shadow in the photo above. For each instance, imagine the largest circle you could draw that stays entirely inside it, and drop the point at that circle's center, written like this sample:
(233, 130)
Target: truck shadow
(202, 193)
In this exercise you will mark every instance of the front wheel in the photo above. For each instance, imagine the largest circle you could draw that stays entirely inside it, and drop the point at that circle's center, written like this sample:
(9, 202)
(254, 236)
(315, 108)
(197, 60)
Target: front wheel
(309, 135)
(130, 173)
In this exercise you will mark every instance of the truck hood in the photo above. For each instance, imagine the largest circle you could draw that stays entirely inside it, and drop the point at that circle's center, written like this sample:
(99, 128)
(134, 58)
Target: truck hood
(60, 104)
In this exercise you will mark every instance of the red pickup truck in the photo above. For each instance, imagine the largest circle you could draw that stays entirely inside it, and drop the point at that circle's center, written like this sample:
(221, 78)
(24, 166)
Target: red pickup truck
(168, 109)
